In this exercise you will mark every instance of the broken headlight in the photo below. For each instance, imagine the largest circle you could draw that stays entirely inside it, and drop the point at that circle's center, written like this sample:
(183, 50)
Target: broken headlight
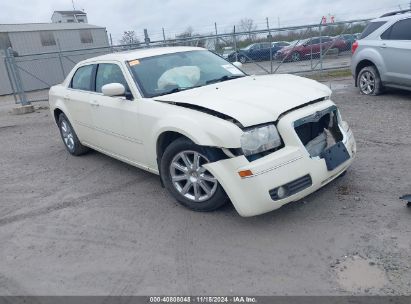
(260, 139)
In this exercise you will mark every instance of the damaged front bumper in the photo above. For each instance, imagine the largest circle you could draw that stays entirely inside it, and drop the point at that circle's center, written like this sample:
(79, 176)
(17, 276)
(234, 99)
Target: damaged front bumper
(290, 173)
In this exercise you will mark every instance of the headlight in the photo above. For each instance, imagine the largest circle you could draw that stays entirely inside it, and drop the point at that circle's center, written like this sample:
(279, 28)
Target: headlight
(260, 139)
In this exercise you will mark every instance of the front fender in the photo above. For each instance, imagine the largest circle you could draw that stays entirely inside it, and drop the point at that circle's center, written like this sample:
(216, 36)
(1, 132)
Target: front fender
(201, 128)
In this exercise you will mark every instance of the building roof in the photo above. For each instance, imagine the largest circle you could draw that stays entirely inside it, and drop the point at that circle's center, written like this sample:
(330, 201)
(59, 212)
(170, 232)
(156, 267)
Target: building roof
(34, 27)
(71, 13)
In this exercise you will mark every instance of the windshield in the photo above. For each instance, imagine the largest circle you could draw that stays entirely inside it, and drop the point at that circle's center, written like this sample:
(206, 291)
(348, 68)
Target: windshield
(169, 73)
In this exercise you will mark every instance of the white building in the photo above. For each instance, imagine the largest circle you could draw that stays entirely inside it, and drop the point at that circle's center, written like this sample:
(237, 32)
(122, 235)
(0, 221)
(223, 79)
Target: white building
(45, 52)
(69, 17)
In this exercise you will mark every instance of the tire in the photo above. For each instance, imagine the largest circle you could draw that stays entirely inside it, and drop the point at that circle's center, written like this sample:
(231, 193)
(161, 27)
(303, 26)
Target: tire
(337, 51)
(295, 56)
(369, 81)
(242, 59)
(188, 184)
(69, 137)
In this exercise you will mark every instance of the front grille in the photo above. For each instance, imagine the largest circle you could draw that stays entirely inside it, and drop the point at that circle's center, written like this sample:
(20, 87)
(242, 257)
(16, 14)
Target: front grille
(292, 187)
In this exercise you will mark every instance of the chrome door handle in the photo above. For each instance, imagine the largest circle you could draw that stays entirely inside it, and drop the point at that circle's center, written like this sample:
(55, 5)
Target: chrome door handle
(383, 45)
(66, 98)
(94, 103)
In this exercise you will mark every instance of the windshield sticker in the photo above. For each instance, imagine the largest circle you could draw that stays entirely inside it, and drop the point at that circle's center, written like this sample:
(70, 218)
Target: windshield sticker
(232, 69)
(134, 62)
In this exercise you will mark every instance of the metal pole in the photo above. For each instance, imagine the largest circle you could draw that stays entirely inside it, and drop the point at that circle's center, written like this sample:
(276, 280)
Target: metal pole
(311, 51)
(321, 48)
(146, 38)
(111, 44)
(270, 39)
(164, 35)
(17, 78)
(235, 45)
(216, 35)
(61, 59)
(6, 64)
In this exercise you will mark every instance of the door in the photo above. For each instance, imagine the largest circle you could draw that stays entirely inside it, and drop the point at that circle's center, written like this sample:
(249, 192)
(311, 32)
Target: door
(313, 48)
(116, 118)
(264, 51)
(395, 49)
(77, 101)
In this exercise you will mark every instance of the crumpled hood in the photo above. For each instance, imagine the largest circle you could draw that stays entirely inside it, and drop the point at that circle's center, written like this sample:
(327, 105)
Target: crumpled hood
(253, 100)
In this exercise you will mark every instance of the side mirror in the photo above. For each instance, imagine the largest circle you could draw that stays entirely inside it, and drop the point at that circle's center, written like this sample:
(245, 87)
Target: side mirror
(238, 64)
(113, 89)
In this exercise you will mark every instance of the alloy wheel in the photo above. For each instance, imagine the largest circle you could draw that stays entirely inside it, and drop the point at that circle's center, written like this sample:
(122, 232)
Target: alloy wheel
(367, 83)
(67, 134)
(190, 178)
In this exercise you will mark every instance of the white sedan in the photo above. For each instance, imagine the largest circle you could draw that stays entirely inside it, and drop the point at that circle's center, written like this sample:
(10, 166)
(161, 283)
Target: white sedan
(212, 132)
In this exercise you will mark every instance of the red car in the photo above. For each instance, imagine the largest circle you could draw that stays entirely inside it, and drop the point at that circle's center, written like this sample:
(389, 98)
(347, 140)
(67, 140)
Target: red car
(304, 49)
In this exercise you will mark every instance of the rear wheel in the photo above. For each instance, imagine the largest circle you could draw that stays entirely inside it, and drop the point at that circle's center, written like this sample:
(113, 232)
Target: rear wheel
(187, 180)
(69, 137)
(295, 56)
(369, 81)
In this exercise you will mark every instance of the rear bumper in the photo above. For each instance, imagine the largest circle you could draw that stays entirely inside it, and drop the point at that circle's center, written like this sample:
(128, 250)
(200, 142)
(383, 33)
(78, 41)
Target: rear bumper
(251, 196)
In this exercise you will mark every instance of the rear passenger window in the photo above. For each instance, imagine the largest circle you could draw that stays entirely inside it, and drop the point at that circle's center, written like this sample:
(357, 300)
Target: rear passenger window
(82, 78)
(109, 73)
(399, 31)
(370, 28)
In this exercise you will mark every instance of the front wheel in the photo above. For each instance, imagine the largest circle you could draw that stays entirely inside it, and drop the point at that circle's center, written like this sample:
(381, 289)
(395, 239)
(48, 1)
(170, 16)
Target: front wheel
(242, 59)
(187, 180)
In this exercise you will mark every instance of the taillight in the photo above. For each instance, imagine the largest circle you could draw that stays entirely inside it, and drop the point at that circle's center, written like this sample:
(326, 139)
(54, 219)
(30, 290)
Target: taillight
(354, 46)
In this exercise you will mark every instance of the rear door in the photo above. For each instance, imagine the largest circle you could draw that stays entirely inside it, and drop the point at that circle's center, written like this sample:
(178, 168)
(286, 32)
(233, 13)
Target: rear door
(396, 52)
(264, 51)
(116, 118)
(77, 100)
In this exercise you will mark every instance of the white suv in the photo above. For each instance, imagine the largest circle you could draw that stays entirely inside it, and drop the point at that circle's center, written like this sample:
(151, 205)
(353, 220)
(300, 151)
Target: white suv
(382, 55)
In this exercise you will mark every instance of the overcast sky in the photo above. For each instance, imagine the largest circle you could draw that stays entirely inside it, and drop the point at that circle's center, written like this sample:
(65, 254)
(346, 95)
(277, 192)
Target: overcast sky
(176, 15)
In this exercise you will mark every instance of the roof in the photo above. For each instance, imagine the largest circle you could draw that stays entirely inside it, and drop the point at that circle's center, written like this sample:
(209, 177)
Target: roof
(34, 27)
(70, 12)
(143, 53)
(393, 17)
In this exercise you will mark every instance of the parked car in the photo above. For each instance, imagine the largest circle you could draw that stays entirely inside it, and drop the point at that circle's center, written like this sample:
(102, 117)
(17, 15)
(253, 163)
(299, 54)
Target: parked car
(310, 47)
(210, 131)
(382, 55)
(257, 51)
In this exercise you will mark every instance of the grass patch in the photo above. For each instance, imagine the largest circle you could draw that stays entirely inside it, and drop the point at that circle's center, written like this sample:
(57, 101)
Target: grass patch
(341, 73)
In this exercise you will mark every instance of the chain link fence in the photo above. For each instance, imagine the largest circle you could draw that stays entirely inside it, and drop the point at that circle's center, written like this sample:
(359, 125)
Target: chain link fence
(302, 49)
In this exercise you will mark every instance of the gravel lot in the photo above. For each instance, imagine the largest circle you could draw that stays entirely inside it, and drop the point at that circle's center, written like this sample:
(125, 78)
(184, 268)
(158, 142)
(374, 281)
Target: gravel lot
(92, 225)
